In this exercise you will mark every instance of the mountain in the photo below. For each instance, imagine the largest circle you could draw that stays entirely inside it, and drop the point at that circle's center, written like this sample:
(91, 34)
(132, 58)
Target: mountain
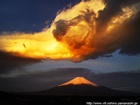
(76, 91)
(80, 86)
(78, 81)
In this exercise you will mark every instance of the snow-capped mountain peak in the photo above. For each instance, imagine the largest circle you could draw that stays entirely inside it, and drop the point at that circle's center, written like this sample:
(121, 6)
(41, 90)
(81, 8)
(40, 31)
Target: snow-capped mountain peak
(78, 81)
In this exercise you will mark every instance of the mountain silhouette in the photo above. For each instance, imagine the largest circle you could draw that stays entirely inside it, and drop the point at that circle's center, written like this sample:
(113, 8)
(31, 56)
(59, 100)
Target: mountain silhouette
(80, 86)
(76, 91)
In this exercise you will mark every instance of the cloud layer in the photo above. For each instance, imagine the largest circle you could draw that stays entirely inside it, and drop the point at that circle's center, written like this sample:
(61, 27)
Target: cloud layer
(9, 62)
(101, 30)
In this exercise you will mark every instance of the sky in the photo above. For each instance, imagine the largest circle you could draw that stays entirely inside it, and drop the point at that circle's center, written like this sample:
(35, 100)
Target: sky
(117, 56)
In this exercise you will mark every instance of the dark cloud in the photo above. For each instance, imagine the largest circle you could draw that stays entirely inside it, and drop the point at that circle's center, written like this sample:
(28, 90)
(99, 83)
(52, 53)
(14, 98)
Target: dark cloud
(131, 45)
(129, 34)
(127, 81)
(113, 8)
(9, 62)
(36, 81)
(62, 27)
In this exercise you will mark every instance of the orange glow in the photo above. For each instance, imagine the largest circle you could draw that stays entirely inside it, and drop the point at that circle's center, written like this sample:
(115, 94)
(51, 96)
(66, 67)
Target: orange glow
(78, 81)
(43, 45)
(76, 30)
(37, 46)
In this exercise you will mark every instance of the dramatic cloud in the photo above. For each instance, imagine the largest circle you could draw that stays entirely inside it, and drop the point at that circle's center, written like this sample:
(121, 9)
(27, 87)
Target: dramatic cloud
(100, 29)
(88, 30)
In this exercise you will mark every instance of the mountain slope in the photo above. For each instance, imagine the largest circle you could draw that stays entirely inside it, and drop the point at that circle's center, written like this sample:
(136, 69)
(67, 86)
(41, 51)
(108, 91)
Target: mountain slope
(80, 86)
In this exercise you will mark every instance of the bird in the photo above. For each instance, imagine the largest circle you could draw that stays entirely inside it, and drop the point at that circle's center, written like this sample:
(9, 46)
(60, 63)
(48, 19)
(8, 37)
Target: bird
(24, 45)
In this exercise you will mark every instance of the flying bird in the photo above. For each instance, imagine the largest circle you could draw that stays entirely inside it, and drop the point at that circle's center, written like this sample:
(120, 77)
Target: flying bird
(24, 45)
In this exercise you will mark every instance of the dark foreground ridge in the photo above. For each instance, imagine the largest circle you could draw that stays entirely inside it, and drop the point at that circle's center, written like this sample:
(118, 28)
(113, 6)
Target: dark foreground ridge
(42, 99)
(69, 94)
